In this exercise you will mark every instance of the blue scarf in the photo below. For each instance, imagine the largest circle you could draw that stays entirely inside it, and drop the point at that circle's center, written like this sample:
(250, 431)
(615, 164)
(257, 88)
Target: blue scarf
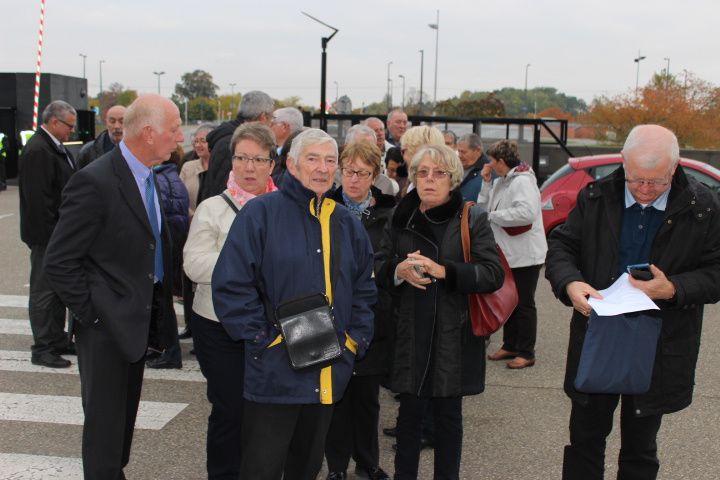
(355, 208)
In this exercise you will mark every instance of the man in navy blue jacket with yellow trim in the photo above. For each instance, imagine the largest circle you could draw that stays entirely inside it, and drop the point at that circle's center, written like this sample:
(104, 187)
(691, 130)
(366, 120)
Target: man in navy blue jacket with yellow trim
(285, 245)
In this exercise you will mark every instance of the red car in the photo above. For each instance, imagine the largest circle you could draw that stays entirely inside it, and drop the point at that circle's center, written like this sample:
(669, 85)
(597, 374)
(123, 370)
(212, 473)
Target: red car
(559, 192)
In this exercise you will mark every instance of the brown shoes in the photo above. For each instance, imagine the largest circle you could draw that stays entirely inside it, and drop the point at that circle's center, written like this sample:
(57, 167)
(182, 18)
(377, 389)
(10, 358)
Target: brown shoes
(520, 362)
(502, 355)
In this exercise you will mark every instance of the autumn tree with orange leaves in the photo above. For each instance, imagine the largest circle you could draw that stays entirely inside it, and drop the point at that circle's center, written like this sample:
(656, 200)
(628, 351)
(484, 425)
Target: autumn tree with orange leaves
(690, 108)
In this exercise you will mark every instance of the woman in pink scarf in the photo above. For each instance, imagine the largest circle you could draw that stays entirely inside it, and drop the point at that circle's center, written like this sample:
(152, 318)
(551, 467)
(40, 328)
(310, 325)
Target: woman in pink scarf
(221, 359)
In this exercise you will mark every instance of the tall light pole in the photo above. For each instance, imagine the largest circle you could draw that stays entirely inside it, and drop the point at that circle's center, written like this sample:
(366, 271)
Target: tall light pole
(637, 60)
(84, 57)
(402, 102)
(232, 96)
(667, 72)
(436, 26)
(422, 61)
(100, 64)
(527, 67)
(323, 69)
(159, 74)
(337, 89)
(389, 82)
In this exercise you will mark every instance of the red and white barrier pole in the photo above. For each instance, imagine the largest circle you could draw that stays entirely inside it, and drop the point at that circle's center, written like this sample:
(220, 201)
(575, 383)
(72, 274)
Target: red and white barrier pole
(36, 99)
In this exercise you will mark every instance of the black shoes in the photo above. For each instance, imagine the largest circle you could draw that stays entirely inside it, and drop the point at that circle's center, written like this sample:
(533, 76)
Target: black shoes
(163, 363)
(336, 476)
(374, 473)
(390, 432)
(50, 360)
(69, 349)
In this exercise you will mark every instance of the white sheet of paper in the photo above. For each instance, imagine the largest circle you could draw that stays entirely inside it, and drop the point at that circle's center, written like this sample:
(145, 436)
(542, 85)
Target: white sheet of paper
(621, 297)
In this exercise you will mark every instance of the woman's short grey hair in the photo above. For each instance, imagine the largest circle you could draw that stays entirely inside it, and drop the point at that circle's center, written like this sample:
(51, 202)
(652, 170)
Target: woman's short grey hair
(442, 156)
(205, 127)
(57, 109)
(359, 132)
(416, 137)
(255, 103)
(652, 145)
(257, 132)
(311, 136)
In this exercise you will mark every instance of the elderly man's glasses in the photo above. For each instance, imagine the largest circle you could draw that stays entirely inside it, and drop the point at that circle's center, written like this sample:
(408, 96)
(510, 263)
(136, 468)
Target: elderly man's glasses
(71, 126)
(361, 174)
(255, 160)
(654, 183)
(424, 173)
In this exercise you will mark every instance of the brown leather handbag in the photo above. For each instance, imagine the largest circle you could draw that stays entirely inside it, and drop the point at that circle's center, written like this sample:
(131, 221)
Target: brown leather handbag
(488, 311)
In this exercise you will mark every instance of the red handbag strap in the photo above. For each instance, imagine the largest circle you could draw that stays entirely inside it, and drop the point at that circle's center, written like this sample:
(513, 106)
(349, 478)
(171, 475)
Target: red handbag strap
(465, 230)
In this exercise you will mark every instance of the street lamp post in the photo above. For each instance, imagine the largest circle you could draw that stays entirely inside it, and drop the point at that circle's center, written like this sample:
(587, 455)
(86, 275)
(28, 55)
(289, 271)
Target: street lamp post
(323, 69)
(159, 74)
(389, 82)
(84, 57)
(637, 74)
(100, 64)
(422, 61)
(232, 96)
(436, 26)
(667, 72)
(337, 89)
(402, 100)
(527, 67)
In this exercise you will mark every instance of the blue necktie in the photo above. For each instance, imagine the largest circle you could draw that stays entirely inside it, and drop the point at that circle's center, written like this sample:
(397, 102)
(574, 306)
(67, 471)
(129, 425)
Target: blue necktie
(152, 216)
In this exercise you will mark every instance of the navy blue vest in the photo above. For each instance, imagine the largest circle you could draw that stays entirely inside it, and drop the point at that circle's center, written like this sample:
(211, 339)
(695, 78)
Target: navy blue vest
(639, 226)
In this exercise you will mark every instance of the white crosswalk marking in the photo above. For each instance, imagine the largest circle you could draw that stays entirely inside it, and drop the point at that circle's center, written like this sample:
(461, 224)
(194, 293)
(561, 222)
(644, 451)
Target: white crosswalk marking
(14, 361)
(21, 301)
(16, 466)
(68, 410)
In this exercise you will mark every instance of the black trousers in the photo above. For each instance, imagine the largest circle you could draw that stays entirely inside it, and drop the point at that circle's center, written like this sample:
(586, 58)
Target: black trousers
(447, 414)
(283, 441)
(110, 388)
(46, 310)
(584, 458)
(222, 362)
(520, 331)
(354, 427)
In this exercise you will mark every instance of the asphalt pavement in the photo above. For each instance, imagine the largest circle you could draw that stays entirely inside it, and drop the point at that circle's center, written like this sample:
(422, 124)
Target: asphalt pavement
(516, 429)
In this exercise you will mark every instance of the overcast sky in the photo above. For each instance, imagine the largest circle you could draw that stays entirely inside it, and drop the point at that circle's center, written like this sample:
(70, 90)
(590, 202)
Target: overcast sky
(582, 48)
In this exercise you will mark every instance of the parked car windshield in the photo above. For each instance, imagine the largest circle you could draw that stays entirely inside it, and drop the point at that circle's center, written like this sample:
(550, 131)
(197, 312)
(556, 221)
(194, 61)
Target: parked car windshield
(559, 173)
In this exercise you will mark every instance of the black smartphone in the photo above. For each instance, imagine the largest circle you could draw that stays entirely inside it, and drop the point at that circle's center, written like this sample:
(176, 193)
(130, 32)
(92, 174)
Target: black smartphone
(640, 271)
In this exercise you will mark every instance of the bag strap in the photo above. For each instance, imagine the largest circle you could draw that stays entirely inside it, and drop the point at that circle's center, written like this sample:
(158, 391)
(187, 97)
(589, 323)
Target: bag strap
(230, 202)
(465, 230)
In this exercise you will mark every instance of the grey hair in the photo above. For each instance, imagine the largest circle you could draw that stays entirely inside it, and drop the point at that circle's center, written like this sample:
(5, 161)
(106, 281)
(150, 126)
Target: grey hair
(372, 119)
(357, 132)
(442, 156)
(255, 103)
(256, 132)
(311, 136)
(145, 111)
(57, 109)
(650, 145)
(393, 112)
(205, 127)
(452, 134)
(292, 116)
(472, 139)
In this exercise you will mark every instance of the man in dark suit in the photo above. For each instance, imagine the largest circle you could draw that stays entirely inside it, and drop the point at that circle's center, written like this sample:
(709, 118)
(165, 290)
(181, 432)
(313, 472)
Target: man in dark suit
(107, 260)
(45, 167)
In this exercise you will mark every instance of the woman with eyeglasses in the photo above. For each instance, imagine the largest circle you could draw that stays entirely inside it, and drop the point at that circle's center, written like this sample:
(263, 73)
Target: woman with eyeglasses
(436, 358)
(354, 427)
(513, 205)
(221, 359)
(191, 170)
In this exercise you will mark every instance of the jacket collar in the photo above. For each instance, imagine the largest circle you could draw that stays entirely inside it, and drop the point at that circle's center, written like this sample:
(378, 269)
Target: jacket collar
(382, 200)
(409, 205)
(298, 193)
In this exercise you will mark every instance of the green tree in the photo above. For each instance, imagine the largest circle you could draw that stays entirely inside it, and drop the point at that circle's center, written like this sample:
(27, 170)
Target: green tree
(202, 109)
(196, 84)
(116, 94)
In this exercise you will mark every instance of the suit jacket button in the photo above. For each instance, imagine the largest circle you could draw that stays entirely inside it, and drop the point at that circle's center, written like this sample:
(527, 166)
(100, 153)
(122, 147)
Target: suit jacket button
(152, 246)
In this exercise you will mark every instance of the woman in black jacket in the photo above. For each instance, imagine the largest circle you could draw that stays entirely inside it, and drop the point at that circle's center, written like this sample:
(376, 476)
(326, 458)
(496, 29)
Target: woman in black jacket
(436, 358)
(354, 428)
